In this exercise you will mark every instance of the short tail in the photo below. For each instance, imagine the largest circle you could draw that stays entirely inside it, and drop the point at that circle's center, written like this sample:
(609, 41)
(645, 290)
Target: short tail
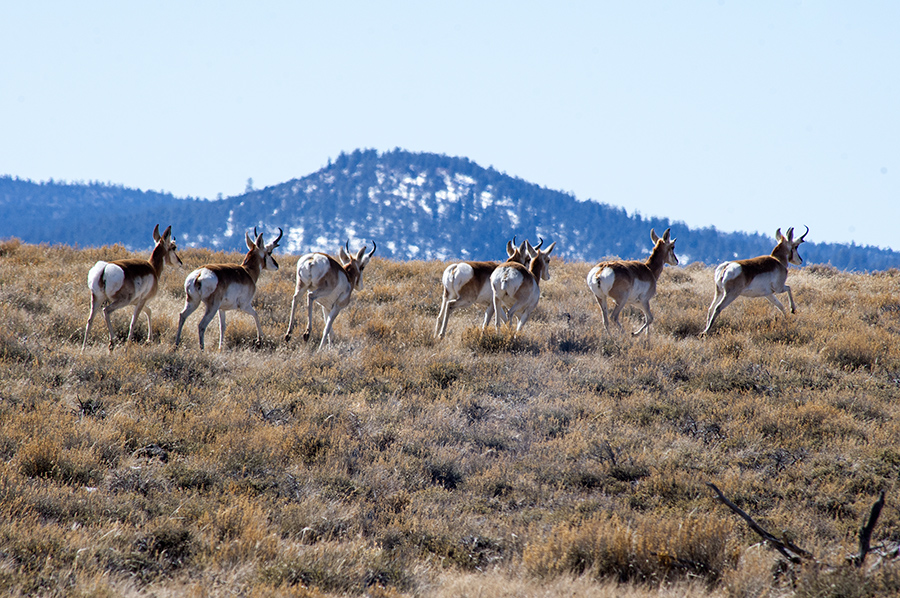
(97, 279)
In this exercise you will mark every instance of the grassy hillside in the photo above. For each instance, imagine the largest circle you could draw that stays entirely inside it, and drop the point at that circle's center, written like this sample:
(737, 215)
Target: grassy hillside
(560, 462)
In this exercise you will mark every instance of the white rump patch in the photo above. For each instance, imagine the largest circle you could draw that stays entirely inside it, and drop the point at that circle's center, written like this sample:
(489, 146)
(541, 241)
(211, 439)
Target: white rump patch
(456, 276)
(113, 278)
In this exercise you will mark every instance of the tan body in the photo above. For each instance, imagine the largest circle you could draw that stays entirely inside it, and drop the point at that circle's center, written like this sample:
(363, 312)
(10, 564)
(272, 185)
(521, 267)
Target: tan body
(761, 276)
(129, 282)
(516, 288)
(469, 283)
(223, 287)
(632, 281)
(329, 283)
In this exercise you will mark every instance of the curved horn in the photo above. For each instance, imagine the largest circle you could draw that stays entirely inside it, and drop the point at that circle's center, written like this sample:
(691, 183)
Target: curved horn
(373, 248)
(538, 246)
(800, 240)
(271, 246)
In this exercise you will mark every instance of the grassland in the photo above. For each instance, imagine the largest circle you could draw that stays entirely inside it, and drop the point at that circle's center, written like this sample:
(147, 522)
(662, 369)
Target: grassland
(560, 462)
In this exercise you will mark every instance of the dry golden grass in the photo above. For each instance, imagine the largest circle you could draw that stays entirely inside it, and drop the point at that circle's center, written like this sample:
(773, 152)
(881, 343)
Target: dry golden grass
(558, 462)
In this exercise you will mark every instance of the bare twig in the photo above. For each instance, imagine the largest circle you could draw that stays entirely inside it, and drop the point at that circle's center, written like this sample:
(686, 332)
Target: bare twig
(865, 533)
(786, 548)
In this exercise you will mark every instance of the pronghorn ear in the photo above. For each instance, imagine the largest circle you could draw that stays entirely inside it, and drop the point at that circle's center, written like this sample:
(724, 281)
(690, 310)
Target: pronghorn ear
(156, 233)
(360, 253)
(549, 249)
(666, 234)
(167, 234)
(778, 235)
(510, 249)
(790, 235)
(249, 241)
(653, 236)
(529, 249)
(345, 257)
(259, 241)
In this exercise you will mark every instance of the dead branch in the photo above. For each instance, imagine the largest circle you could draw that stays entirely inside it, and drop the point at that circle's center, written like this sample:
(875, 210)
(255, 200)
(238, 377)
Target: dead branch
(787, 548)
(865, 532)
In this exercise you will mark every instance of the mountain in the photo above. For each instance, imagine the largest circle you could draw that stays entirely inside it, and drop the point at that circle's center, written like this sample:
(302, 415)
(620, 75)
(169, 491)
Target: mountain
(414, 205)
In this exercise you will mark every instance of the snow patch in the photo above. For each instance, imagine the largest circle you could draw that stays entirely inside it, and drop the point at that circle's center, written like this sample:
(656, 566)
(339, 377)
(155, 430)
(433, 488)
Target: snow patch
(229, 224)
(294, 240)
(487, 199)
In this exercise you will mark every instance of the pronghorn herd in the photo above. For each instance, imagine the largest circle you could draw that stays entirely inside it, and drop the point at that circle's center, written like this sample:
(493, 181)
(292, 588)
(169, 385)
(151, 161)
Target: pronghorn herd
(508, 290)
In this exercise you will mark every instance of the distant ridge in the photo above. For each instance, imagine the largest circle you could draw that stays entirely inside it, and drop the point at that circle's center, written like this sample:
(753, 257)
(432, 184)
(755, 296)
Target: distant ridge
(414, 205)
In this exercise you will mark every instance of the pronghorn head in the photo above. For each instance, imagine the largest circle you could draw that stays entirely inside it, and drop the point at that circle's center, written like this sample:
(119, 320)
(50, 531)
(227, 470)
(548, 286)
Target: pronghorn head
(167, 245)
(355, 264)
(664, 244)
(516, 254)
(262, 251)
(540, 260)
(788, 246)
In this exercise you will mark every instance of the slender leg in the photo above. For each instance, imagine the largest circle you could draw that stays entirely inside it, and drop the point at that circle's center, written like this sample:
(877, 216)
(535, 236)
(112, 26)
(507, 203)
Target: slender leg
(614, 316)
(523, 317)
(221, 329)
(188, 309)
(498, 311)
(149, 327)
(774, 301)
(205, 320)
(329, 320)
(605, 312)
(791, 299)
(441, 325)
(716, 308)
(309, 306)
(290, 329)
(488, 314)
(87, 328)
(648, 319)
(249, 309)
(137, 312)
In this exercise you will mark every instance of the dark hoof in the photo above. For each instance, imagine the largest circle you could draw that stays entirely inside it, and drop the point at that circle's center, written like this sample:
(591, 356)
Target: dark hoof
(287, 338)
(306, 337)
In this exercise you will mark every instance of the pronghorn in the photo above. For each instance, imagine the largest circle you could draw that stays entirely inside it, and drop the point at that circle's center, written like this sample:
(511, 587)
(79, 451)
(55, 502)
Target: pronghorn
(632, 281)
(516, 288)
(329, 283)
(467, 283)
(761, 276)
(222, 287)
(129, 282)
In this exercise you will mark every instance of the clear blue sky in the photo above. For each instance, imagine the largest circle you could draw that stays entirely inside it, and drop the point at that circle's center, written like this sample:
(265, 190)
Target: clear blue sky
(747, 115)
